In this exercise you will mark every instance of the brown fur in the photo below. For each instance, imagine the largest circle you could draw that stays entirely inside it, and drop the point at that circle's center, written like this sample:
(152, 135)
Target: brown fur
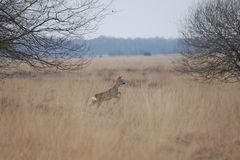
(109, 94)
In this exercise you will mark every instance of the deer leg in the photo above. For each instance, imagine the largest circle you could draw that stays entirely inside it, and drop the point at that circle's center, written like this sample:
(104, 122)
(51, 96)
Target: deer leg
(93, 102)
(98, 104)
(118, 99)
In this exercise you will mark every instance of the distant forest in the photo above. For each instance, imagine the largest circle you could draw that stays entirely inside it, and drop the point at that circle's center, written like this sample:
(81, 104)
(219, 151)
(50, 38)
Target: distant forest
(139, 46)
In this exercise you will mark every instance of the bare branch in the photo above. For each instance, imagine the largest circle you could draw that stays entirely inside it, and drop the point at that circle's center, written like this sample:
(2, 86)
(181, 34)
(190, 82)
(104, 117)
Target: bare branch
(41, 33)
(212, 35)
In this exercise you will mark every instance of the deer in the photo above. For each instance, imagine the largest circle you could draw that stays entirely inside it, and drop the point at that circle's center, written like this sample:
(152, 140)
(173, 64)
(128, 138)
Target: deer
(111, 93)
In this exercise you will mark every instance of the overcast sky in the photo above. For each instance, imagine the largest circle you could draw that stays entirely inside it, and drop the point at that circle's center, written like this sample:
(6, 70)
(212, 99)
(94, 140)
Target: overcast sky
(144, 18)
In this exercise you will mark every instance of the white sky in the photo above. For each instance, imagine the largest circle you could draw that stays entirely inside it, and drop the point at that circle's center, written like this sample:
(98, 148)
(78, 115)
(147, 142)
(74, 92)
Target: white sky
(144, 18)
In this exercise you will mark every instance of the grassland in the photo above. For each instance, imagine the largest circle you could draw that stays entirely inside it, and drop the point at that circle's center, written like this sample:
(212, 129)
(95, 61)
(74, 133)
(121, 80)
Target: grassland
(161, 114)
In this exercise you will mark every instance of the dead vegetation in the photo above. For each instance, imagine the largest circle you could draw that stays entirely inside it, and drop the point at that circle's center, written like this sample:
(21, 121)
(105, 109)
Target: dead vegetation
(161, 115)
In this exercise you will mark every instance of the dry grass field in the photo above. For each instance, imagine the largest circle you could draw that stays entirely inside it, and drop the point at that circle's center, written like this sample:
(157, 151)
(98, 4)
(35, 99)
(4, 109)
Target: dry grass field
(161, 115)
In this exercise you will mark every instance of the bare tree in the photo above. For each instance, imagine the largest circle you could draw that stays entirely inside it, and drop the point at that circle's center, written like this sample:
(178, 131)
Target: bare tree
(211, 33)
(41, 33)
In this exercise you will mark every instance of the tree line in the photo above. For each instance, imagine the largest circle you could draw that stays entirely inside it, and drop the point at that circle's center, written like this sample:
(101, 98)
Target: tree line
(138, 46)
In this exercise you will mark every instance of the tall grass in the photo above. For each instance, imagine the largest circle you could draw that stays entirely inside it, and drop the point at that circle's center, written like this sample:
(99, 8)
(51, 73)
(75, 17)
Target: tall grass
(161, 115)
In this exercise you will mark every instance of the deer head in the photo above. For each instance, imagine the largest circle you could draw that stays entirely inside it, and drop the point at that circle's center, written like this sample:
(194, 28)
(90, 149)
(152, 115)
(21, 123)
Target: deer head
(120, 81)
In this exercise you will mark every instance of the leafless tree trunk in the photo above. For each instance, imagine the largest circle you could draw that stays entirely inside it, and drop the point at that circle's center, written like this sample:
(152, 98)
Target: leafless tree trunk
(211, 33)
(40, 33)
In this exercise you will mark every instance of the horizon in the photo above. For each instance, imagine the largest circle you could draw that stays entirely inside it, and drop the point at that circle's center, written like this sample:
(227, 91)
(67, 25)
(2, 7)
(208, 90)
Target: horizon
(132, 38)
